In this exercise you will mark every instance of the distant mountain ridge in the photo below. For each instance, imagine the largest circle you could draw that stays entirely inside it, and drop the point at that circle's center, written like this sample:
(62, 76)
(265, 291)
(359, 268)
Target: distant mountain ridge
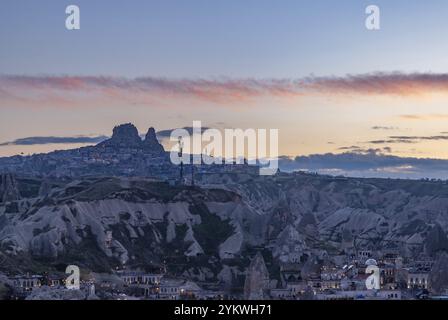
(124, 154)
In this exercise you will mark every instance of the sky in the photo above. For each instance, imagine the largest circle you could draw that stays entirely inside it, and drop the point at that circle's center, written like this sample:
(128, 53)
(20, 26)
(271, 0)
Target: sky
(308, 68)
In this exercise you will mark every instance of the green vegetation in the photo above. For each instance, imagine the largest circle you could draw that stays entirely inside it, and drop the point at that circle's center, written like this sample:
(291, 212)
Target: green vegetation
(212, 231)
(4, 291)
(85, 254)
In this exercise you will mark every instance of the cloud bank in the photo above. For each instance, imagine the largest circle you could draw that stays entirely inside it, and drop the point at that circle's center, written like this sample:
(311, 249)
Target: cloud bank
(410, 139)
(373, 163)
(63, 89)
(53, 140)
(384, 128)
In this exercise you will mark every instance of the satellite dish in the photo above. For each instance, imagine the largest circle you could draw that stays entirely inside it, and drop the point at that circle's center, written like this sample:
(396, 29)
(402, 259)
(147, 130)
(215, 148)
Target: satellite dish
(371, 262)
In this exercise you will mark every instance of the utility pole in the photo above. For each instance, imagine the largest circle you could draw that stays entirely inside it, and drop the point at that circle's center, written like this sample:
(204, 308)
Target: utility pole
(192, 174)
(180, 154)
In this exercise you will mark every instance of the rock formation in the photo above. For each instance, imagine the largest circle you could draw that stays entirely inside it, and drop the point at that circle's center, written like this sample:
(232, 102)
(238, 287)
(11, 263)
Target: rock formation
(438, 278)
(289, 245)
(9, 190)
(151, 142)
(125, 135)
(45, 188)
(148, 220)
(436, 240)
(257, 279)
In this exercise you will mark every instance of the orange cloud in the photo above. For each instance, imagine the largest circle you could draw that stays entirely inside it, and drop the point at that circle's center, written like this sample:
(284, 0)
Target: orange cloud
(396, 83)
(434, 116)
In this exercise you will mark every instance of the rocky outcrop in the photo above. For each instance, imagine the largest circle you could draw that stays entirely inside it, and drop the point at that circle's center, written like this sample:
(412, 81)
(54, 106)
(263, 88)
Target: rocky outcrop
(9, 190)
(289, 246)
(50, 230)
(353, 221)
(6, 284)
(151, 143)
(293, 216)
(45, 188)
(349, 213)
(438, 277)
(125, 135)
(436, 240)
(130, 221)
(124, 154)
(257, 279)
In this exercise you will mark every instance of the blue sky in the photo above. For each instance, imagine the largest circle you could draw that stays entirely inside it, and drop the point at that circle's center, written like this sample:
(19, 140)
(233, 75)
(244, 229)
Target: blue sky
(198, 38)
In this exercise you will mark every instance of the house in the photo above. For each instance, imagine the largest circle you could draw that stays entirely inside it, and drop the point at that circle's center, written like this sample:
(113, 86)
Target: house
(140, 278)
(175, 289)
(55, 281)
(361, 295)
(296, 288)
(280, 294)
(364, 255)
(390, 294)
(418, 280)
(27, 283)
(388, 275)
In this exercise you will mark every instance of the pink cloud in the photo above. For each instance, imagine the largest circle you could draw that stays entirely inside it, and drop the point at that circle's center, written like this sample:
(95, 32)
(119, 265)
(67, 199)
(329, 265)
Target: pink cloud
(396, 83)
(73, 90)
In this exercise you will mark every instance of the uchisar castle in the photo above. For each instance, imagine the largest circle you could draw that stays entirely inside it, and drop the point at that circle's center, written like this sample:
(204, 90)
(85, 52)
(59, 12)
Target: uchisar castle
(124, 154)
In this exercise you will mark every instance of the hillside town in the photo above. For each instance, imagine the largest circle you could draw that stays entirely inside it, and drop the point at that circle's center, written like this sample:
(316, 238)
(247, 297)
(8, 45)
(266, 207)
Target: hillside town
(399, 280)
(124, 154)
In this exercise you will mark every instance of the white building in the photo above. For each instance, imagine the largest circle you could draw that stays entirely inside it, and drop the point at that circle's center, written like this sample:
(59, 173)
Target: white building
(418, 280)
(27, 283)
(137, 278)
(361, 295)
(173, 289)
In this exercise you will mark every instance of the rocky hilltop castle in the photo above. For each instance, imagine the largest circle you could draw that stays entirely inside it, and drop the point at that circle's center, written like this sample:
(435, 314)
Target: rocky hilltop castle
(124, 154)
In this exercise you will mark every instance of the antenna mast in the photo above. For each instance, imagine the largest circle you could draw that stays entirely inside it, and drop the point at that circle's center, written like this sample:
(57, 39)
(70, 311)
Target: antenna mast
(180, 154)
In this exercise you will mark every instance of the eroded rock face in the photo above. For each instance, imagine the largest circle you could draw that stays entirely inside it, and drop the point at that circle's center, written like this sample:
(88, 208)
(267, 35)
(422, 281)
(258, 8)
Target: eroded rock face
(128, 221)
(151, 142)
(346, 212)
(289, 246)
(125, 135)
(436, 240)
(292, 216)
(438, 278)
(44, 189)
(124, 154)
(257, 279)
(51, 229)
(9, 190)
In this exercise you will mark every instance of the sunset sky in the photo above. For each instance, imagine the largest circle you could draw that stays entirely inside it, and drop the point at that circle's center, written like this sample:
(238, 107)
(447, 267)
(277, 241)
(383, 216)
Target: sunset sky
(309, 68)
